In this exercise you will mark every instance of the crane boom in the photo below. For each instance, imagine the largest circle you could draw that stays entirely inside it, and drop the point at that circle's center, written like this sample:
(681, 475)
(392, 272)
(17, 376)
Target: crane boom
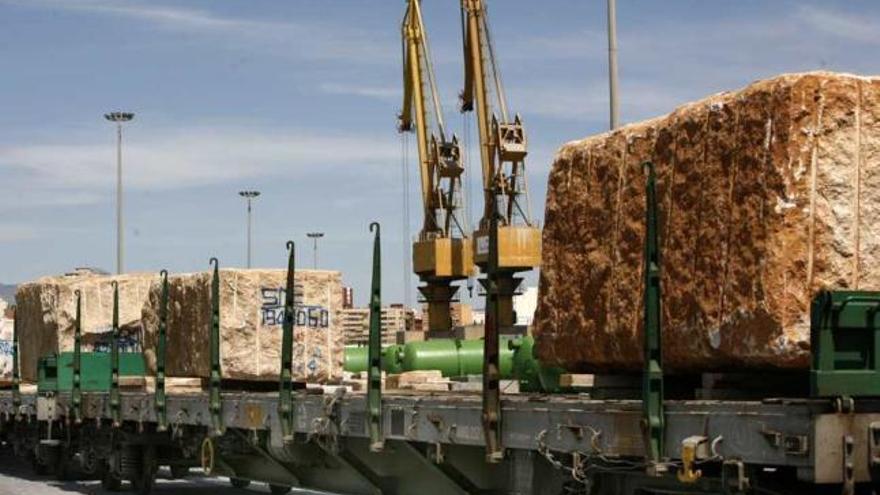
(443, 253)
(503, 149)
(503, 145)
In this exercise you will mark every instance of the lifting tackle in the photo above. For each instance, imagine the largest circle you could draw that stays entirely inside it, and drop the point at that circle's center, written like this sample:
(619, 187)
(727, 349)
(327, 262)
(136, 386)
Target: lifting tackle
(16, 374)
(442, 254)
(76, 393)
(653, 422)
(503, 149)
(160, 404)
(216, 378)
(285, 393)
(374, 349)
(491, 355)
(115, 401)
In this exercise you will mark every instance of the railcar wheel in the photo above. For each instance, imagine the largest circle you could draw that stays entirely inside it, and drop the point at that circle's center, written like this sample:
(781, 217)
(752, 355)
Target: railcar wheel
(239, 482)
(64, 469)
(110, 481)
(145, 475)
(178, 471)
(39, 468)
(207, 456)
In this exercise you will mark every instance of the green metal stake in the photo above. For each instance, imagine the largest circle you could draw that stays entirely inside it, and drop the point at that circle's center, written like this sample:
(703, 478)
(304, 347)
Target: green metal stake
(653, 423)
(491, 353)
(16, 375)
(76, 395)
(114, 360)
(285, 392)
(161, 411)
(374, 349)
(216, 379)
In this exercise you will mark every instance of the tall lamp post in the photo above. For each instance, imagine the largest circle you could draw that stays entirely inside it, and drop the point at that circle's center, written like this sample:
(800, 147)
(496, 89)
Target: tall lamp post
(314, 236)
(612, 64)
(119, 118)
(249, 196)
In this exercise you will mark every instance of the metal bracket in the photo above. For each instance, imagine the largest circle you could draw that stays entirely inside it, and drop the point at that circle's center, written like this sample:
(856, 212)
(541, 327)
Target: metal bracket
(216, 378)
(160, 404)
(733, 477)
(844, 404)
(16, 374)
(114, 360)
(374, 349)
(285, 391)
(455, 477)
(652, 375)
(874, 451)
(848, 467)
(76, 393)
(491, 366)
(692, 449)
(351, 461)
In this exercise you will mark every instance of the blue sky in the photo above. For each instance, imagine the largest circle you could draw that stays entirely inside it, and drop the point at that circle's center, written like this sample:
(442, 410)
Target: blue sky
(299, 100)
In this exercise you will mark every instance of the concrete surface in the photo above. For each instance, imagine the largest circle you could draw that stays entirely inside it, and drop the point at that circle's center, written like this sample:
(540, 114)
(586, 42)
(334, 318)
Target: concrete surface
(16, 478)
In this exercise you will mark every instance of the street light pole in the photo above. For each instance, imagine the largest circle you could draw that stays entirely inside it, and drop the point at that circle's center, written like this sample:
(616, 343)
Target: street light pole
(119, 118)
(249, 196)
(612, 64)
(314, 236)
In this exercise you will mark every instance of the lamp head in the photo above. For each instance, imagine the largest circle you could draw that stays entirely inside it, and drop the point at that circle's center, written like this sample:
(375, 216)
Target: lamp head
(119, 116)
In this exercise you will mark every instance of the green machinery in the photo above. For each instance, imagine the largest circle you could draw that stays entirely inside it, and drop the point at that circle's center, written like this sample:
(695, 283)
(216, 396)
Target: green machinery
(454, 358)
(79, 371)
(55, 371)
(845, 338)
(356, 358)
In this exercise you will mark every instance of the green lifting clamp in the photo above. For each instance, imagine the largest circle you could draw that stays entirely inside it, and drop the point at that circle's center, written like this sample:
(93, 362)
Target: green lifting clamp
(160, 405)
(76, 394)
(653, 423)
(114, 360)
(16, 374)
(374, 348)
(215, 381)
(285, 399)
(491, 353)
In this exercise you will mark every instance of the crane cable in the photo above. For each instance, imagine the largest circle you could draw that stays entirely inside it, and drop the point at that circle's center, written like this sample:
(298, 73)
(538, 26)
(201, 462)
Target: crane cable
(404, 160)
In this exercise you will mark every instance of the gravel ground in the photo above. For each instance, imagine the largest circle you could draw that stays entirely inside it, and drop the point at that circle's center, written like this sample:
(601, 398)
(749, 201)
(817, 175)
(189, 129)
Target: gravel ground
(16, 478)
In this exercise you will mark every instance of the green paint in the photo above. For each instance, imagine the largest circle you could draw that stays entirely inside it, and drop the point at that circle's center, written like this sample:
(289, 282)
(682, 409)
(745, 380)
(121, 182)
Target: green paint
(374, 348)
(845, 339)
(56, 371)
(652, 376)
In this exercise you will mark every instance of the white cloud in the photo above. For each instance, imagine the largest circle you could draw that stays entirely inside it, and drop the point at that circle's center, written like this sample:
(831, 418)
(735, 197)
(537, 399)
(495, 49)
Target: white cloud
(11, 232)
(313, 39)
(590, 102)
(377, 92)
(72, 173)
(861, 29)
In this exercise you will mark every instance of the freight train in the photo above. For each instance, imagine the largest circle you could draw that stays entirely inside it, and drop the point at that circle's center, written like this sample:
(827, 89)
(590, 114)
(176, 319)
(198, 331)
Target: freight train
(652, 433)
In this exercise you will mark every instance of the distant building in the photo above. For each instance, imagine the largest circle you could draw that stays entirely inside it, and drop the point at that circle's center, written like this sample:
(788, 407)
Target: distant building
(462, 314)
(525, 305)
(347, 297)
(395, 318)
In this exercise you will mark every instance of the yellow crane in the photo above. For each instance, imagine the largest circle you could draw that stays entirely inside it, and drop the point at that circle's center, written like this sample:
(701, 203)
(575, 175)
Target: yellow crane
(443, 253)
(503, 149)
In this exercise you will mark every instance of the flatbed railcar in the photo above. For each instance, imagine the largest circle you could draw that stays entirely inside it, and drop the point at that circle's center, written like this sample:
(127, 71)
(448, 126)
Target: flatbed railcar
(434, 443)
(631, 436)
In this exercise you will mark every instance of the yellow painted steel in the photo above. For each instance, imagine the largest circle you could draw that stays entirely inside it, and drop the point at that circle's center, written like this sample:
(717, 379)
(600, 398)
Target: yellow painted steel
(444, 257)
(443, 253)
(503, 149)
(519, 247)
